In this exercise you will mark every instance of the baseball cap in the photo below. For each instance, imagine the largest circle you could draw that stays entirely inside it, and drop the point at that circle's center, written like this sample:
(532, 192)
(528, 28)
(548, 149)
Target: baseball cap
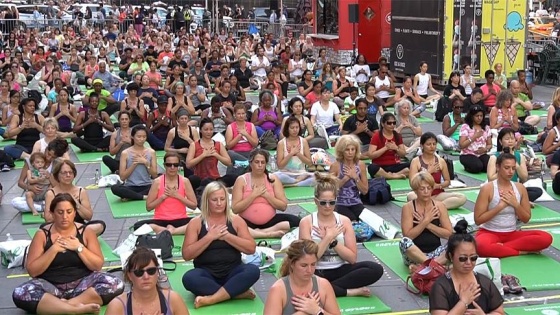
(162, 99)
(97, 81)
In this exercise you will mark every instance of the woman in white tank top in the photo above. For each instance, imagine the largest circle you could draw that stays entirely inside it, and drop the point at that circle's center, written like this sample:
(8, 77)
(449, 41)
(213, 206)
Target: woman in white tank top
(423, 81)
(337, 242)
(500, 205)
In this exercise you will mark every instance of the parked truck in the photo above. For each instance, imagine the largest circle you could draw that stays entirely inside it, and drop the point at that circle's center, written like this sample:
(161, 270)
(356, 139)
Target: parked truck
(448, 34)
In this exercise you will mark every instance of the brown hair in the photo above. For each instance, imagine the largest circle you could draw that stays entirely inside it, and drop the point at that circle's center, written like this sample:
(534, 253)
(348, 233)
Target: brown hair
(140, 258)
(295, 252)
(325, 182)
(58, 167)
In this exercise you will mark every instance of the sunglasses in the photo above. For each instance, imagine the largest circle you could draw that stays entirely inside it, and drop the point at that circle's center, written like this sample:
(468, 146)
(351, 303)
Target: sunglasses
(140, 272)
(390, 123)
(171, 164)
(326, 202)
(459, 106)
(464, 259)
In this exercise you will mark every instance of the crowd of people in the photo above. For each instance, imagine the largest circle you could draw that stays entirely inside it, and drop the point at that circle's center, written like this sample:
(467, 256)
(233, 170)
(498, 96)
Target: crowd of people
(187, 95)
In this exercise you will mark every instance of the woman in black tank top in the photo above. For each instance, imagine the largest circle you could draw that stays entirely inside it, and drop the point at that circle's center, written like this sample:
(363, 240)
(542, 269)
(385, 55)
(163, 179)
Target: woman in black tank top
(419, 244)
(134, 105)
(27, 127)
(89, 128)
(180, 138)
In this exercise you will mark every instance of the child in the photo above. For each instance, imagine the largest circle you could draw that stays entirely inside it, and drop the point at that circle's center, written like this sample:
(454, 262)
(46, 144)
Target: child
(349, 102)
(37, 175)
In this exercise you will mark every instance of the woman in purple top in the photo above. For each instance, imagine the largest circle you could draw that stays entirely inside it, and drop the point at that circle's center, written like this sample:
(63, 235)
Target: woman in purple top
(267, 117)
(64, 113)
(352, 177)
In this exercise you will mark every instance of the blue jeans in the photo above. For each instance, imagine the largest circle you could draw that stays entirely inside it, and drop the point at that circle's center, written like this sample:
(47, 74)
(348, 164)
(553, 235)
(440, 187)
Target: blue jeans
(240, 279)
(16, 150)
(261, 131)
(155, 142)
(2, 131)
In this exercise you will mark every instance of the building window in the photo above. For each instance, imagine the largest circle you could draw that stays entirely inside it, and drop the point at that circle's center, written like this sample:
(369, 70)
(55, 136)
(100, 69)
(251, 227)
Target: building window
(327, 17)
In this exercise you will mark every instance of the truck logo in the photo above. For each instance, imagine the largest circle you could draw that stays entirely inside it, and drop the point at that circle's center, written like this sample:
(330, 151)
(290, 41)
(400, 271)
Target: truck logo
(400, 51)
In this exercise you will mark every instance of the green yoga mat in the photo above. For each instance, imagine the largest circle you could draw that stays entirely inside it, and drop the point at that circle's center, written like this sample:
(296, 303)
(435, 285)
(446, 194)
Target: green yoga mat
(4, 143)
(530, 137)
(268, 241)
(540, 112)
(459, 169)
(126, 209)
(230, 307)
(85, 157)
(424, 120)
(28, 218)
(529, 270)
(105, 248)
(177, 245)
(534, 309)
(539, 214)
(555, 232)
(299, 193)
(310, 207)
(361, 305)
(388, 252)
(399, 184)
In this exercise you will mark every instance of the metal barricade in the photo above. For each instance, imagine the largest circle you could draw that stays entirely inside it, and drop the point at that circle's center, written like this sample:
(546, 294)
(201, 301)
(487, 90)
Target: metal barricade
(241, 27)
(281, 30)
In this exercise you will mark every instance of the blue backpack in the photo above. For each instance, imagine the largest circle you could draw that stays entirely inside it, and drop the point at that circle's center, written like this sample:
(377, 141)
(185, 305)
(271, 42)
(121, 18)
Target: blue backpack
(379, 191)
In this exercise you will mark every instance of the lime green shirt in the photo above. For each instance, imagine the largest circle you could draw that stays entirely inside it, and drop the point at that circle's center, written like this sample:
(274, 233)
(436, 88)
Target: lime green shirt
(520, 110)
(102, 102)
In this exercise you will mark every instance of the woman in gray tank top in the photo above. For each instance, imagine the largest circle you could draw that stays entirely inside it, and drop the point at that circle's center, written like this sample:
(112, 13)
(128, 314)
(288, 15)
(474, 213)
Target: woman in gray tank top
(120, 141)
(299, 289)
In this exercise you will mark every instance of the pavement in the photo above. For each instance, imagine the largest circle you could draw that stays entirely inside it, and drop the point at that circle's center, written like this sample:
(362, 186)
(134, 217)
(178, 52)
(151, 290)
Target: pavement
(390, 289)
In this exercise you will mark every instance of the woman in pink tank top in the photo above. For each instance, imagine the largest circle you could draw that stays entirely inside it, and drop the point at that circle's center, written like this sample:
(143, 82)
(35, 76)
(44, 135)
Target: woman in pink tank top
(256, 197)
(241, 136)
(170, 195)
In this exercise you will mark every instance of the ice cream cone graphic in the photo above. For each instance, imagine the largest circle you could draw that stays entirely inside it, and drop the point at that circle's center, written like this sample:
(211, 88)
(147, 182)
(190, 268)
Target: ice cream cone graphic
(491, 49)
(512, 48)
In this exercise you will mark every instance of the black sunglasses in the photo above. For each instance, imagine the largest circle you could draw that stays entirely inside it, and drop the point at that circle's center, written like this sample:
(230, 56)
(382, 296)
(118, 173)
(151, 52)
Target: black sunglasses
(140, 272)
(390, 122)
(171, 164)
(465, 258)
(327, 202)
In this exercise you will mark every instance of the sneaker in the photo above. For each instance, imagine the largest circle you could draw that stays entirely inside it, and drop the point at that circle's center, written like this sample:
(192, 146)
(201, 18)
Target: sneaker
(5, 168)
(513, 284)
(505, 285)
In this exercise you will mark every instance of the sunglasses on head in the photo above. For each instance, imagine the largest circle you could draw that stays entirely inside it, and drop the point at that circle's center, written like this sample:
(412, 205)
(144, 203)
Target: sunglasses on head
(171, 164)
(140, 272)
(326, 202)
(390, 122)
(465, 258)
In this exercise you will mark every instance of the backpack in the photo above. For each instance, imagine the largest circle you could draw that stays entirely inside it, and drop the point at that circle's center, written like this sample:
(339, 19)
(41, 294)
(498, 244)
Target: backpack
(379, 191)
(526, 129)
(450, 167)
(268, 141)
(424, 277)
(443, 108)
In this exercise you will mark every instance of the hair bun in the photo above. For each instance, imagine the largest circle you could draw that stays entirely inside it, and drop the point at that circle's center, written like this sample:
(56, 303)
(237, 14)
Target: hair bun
(461, 227)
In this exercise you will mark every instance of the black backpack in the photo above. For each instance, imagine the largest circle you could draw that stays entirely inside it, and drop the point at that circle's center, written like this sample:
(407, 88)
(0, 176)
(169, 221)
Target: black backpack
(379, 191)
(443, 108)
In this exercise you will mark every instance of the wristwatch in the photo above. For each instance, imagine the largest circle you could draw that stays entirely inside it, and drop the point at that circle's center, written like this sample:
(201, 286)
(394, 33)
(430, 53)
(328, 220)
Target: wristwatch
(333, 244)
(80, 249)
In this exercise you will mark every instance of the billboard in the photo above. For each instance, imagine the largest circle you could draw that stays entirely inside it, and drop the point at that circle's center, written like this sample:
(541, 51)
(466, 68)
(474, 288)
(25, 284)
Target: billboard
(417, 35)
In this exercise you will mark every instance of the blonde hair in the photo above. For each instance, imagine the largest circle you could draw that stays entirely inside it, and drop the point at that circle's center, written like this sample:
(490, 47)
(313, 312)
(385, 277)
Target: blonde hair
(50, 122)
(556, 97)
(325, 182)
(297, 250)
(422, 176)
(205, 208)
(343, 143)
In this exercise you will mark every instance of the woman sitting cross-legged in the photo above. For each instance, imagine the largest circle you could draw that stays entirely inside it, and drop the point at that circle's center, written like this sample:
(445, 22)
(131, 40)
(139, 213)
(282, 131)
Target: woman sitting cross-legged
(506, 144)
(461, 290)
(352, 177)
(142, 272)
(293, 155)
(170, 195)
(64, 261)
(424, 223)
(120, 141)
(337, 244)
(90, 125)
(257, 195)
(386, 150)
(267, 117)
(181, 137)
(451, 126)
(499, 206)
(299, 291)
(137, 167)
(475, 141)
(214, 241)
(64, 173)
(204, 155)
(437, 167)
(408, 128)
(241, 135)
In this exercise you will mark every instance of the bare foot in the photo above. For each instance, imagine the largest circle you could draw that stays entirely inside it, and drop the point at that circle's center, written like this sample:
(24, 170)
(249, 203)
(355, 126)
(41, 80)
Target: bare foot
(200, 301)
(276, 234)
(247, 295)
(35, 213)
(412, 268)
(88, 308)
(363, 291)
(170, 228)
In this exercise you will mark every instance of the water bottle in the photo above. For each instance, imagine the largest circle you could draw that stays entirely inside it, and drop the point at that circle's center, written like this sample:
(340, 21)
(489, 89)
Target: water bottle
(272, 163)
(543, 166)
(9, 237)
(96, 176)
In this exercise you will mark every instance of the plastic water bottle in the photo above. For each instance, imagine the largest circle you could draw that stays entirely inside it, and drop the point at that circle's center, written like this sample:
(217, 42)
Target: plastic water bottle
(9, 237)
(543, 167)
(96, 176)
(272, 163)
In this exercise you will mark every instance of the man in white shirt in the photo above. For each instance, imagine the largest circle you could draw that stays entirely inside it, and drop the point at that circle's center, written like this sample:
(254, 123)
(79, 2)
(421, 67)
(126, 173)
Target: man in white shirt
(260, 65)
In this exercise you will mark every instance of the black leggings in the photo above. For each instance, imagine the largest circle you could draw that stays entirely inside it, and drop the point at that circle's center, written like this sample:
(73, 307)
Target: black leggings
(196, 181)
(163, 223)
(279, 217)
(474, 164)
(130, 192)
(111, 163)
(534, 193)
(352, 212)
(395, 168)
(91, 145)
(556, 183)
(351, 276)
